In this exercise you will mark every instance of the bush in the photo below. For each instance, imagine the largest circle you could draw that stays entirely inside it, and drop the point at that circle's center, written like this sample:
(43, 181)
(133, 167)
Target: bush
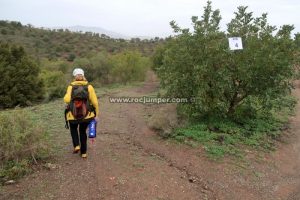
(22, 141)
(129, 67)
(21, 137)
(102, 67)
(55, 84)
(199, 65)
(87, 66)
(20, 83)
(164, 120)
(71, 57)
(120, 68)
(222, 136)
(97, 68)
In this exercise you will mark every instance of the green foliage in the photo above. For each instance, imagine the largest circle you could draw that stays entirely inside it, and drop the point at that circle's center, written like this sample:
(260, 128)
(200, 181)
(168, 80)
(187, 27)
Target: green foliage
(21, 137)
(14, 169)
(22, 141)
(124, 67)
(57, 65)
(71, 57)
(221, 136)
(97, 67)
(3, 31)
(55, 84)
(20, 83)
(226, 83)
(63, 67)
(297, 41)
(129, 66)
(157, 58)
(103, 66)
(67, 45)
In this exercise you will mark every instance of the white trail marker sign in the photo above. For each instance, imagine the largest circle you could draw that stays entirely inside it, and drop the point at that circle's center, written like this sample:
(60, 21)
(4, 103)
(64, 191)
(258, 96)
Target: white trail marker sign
(235, 43)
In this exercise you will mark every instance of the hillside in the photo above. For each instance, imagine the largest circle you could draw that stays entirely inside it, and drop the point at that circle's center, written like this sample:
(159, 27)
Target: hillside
(94, 30)
(63, 43)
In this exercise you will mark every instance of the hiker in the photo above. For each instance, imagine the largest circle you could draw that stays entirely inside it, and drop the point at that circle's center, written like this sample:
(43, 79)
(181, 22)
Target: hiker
(81, 109)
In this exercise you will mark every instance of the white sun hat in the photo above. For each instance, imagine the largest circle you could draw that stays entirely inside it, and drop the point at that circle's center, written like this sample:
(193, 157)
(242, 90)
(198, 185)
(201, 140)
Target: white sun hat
(78, 71)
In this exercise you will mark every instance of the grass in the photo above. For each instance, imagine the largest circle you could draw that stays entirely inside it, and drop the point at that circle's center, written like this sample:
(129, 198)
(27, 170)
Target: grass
(222, 137)
(30, 136)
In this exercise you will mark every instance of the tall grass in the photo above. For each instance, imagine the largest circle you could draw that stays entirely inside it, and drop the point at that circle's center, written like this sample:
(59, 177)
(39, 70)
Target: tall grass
(23, 141)
(20, 137)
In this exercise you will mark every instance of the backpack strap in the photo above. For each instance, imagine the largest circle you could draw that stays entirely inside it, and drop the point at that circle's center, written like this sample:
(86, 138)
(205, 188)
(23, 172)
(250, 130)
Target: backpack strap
(66, 112)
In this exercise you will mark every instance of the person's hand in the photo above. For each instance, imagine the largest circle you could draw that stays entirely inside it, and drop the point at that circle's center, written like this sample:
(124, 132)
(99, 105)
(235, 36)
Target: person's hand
(97, 119)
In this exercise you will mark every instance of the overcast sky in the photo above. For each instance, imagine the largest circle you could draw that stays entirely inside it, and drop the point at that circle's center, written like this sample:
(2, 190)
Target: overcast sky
(139, 17)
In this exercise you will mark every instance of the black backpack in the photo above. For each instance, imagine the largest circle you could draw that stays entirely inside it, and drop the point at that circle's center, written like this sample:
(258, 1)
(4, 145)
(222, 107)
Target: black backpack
(79, 105)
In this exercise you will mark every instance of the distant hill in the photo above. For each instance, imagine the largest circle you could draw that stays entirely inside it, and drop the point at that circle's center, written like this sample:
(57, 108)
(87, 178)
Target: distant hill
(66, 44)
(99, 30)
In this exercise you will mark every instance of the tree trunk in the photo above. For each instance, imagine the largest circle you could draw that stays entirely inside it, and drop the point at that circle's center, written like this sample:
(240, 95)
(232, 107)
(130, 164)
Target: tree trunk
(235, 101)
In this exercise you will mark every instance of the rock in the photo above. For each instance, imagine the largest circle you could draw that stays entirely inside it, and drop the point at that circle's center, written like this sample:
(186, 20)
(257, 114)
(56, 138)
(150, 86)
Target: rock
(10, 182)
(205, 187)
(50, 166)
(192, 179)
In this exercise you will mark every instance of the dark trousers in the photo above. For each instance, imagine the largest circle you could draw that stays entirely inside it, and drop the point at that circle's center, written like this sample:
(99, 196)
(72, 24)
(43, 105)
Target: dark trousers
(82, 133)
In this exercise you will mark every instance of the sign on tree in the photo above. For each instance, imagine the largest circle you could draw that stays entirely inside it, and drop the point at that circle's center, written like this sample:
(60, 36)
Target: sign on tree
(235, 43)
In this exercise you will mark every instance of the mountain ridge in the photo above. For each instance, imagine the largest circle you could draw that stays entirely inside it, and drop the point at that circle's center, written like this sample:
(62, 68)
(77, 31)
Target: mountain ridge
(100, 30)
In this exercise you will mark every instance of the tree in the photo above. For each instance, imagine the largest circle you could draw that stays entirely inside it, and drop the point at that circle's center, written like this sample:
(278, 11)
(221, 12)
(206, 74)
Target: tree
(199, 65)
(129, 66)
(297, 41)
(102, 67)
(55, 84)
(71, 57)
(20, 83)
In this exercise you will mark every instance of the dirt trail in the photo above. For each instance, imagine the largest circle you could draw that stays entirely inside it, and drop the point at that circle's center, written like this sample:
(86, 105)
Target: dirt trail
(129, 161)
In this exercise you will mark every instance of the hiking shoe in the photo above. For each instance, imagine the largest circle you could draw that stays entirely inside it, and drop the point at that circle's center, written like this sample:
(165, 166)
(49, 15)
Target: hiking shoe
(76, 149)
(84, 155)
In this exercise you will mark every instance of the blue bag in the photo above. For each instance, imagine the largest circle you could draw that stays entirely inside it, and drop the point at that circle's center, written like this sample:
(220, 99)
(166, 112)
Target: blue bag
(92, 128)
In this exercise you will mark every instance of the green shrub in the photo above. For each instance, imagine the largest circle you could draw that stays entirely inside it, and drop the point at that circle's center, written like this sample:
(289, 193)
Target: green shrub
(23, 140)
(14, 169)
(129, 67)
(102, 67)
(55, 84)
(20, 83)
(198, 64)
(97, 67)
(21, 137)
(227, 136)
(71, 57)
(119, 68)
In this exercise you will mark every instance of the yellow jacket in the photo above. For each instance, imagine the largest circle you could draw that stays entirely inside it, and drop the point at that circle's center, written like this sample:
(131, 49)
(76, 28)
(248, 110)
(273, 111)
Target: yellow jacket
(92, 98)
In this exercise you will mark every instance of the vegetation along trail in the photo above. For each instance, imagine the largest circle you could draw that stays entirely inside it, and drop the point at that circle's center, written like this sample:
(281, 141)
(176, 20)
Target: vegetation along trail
(235, 140)
(129, 161)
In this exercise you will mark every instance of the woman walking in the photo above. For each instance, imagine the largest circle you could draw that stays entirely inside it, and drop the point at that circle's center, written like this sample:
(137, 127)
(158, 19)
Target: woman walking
(81, 109)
